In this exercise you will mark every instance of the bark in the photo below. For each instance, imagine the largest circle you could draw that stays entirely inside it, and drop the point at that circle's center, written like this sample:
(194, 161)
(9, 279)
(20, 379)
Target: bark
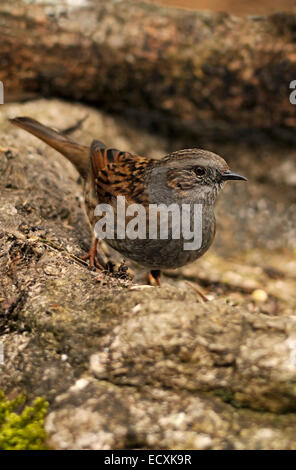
(173, 69)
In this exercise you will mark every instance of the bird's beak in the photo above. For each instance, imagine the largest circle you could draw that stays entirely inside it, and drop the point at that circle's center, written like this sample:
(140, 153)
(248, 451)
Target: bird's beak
(230, 175)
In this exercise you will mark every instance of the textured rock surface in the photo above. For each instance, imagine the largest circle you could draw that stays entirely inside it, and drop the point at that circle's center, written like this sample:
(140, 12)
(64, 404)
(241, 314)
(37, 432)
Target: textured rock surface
(127, 366)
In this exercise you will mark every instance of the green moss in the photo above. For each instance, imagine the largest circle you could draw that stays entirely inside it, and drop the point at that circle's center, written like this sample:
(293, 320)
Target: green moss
(228, 397)
(23, 430)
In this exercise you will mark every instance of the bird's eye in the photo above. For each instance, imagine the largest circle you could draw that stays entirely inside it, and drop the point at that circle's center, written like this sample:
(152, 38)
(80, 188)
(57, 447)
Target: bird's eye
(200, 171)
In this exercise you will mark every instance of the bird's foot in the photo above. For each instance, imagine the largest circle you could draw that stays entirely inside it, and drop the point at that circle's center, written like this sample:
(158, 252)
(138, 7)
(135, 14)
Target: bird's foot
(92, 257)
(154, 277)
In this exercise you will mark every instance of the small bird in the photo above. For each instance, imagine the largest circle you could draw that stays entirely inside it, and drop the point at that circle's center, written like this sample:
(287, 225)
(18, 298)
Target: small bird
(185, 177)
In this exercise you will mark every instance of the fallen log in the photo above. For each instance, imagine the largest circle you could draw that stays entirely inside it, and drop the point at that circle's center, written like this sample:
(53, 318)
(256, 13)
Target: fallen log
(173, 69)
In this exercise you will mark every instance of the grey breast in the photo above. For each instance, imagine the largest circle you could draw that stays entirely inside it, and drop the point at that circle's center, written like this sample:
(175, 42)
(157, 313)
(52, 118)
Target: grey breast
(169, 253)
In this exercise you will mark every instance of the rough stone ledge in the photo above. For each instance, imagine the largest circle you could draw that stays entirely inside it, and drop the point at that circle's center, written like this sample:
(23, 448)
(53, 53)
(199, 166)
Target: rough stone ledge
(140, 367)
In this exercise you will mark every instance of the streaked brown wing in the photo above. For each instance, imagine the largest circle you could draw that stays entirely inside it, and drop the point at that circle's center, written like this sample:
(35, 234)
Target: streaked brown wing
(119, 173)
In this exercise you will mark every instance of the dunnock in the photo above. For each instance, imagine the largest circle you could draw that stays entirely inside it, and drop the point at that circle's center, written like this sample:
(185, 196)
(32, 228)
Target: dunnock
(190, 176)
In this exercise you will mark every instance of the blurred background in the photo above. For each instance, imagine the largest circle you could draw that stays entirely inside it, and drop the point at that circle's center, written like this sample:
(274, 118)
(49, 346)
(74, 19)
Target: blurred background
(252, 7)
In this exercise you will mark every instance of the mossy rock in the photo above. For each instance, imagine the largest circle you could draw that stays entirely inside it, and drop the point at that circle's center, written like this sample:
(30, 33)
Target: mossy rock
(23, 430)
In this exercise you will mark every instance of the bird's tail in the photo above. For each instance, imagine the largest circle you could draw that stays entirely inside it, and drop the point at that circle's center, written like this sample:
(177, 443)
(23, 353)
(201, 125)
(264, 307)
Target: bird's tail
(76, 153)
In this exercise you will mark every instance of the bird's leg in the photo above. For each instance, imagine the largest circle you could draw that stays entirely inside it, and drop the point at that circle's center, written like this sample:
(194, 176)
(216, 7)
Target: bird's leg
(154, 277)
(92, 256)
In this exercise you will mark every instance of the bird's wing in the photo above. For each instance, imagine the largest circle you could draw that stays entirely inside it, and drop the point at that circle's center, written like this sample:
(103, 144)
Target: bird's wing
(118, 173)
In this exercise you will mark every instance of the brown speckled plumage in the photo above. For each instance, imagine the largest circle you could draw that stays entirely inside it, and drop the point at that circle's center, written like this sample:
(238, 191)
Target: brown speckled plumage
(112, 170)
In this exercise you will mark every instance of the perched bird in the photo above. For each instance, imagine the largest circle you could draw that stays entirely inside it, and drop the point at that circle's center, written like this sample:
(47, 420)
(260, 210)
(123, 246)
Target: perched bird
(185, 177)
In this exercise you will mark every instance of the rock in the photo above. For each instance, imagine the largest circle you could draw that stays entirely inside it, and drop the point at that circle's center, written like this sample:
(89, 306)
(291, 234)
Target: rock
(125, 366)
(259, 295)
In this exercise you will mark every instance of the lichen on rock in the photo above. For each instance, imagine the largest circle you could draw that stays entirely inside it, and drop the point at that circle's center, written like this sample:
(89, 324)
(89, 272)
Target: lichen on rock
(23, 430)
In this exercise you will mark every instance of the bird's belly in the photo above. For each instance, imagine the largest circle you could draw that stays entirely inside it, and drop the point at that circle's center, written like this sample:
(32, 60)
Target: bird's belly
(164, 254)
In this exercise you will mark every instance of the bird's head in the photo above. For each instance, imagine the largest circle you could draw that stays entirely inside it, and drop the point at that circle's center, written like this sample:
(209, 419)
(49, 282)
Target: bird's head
(190, 176)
